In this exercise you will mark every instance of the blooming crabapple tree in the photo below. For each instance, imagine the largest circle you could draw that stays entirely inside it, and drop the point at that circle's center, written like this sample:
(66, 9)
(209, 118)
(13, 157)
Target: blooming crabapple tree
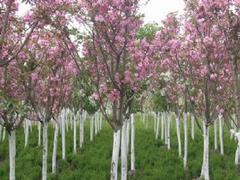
(116, 67)
(48, 79)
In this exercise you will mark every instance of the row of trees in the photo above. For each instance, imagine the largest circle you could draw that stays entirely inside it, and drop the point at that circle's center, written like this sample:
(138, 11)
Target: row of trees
(47, 63)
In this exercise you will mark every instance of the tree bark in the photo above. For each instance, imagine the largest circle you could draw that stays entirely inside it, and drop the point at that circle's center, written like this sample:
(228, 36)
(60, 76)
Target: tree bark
(132, 143)
(91, 128)
(26, 130)
(169, 130)
(221, 135)
(45, 150)
(162, 127)
(12, 154)
(74, 135)
(157, 124)
(124, 151)
(115, 154)
(192, 127)
(55, 144)
(81, 127)
(215, 135)
(185, 140)
(205, 164)
(178, 136)
(63, 136)
(39, 133)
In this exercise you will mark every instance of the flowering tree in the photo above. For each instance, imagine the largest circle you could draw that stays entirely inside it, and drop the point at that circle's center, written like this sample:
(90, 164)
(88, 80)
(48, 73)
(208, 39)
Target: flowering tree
(117, 69)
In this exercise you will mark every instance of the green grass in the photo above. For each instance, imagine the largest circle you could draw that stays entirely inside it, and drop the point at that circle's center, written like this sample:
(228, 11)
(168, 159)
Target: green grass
(153, 160)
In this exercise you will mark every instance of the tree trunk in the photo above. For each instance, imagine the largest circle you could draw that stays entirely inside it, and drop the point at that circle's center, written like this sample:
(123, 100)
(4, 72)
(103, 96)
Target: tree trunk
(55, 144)
(128, 134)
(74, 135)
(115, 154)
(178, 136)
(192, 126)
(169, 130)
(132, 143)
(215, 135)
(1, 128)
(205, 164)
(237, 154)
(221, 134)
(124, 151)
(26, 133)
(154, 122)
(63, 136)
(4, 134)
(157, 128)
(12, 154)
(166, 127)
(81, 128)
(39, 133)
(45, 151)
(185, 141)
(162, 127)
(91, 128)
(95, 124)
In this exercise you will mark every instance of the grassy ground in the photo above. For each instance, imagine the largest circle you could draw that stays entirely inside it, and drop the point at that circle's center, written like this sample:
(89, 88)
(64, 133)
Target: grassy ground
(153, 160)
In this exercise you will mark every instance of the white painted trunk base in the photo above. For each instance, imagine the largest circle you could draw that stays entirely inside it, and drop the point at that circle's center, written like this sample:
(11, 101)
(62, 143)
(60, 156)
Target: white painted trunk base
(221, 135)
(185, 141)
(124, 151)
(115, 154)
(39, 133)
(45, 151)
(12, 155)
(215, 135)
(205, 164)
(132, 143)
(63, 136)
(178, 136)
(192, 126)
(55, 143)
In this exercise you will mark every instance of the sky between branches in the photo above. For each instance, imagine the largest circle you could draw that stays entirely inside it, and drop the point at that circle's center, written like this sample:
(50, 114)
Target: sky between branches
(154, 10)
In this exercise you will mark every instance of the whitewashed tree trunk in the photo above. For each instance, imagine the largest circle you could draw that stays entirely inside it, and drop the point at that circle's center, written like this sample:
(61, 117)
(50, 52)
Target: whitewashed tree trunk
(215, 135)
(91, 128)
(166, 127)
(178, 136)
(26, 133)
(45, 151)
(185, 141)
(237, 154)
(115, 154)
(124, 151)
(132, 143)
(63, 135)
(55, 144)
(192, 126)
(128, 134)
(154, 122)
(4, 134)
(12, 154)
(205, 164)
(1, 128)
(81, 127)
(74, 135)
(221, 134)
(39, 133)
(101, 121)
(168, 131)
(95, 124)
(157, 128)
(162, 126)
